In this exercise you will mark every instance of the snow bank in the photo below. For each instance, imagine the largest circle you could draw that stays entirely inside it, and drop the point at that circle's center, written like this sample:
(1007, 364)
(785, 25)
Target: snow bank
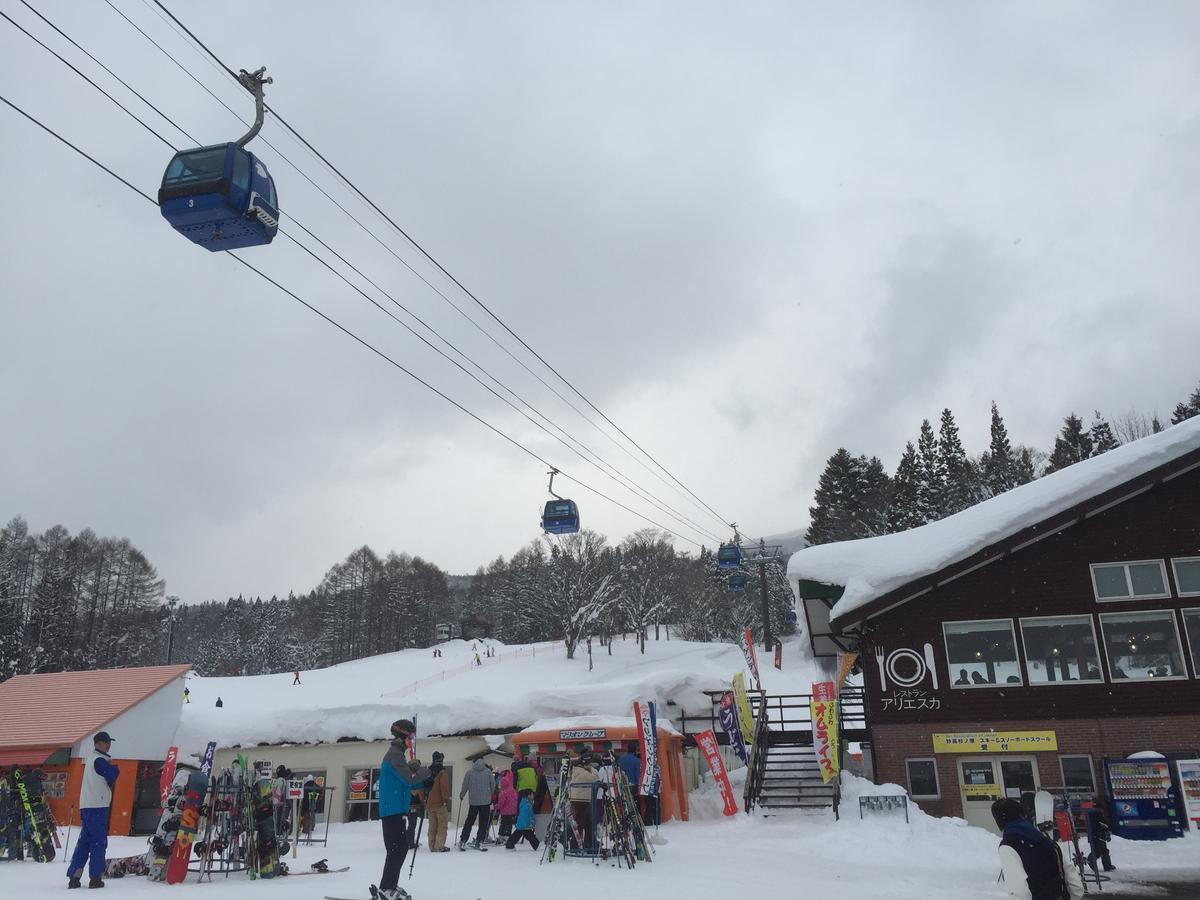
(871, 567)
(516, 687)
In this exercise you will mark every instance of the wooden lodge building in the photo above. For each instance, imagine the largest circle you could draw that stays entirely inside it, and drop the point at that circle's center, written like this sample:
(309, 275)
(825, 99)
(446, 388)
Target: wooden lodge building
(1022, 642)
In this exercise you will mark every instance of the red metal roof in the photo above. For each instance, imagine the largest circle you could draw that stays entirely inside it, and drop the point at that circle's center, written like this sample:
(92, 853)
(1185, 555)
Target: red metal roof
(59, 709)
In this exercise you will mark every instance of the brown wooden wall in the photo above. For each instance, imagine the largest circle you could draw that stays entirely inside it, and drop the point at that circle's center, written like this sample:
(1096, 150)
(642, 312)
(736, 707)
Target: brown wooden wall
(1050, 577)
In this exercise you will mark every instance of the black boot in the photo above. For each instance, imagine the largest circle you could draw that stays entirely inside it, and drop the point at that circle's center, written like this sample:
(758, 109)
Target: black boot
(95, 882)
(73, 881)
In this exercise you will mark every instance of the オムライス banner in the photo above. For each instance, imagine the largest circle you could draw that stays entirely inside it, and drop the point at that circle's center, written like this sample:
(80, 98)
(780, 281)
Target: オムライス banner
(825, 735)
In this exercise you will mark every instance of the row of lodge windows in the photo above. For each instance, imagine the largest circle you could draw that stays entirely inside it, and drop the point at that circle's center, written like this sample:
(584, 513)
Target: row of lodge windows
(1138, 646)
(1145, 579)
(1076, 769)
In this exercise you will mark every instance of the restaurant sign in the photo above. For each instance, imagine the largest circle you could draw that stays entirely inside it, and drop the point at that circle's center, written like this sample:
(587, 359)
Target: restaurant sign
(995, 742)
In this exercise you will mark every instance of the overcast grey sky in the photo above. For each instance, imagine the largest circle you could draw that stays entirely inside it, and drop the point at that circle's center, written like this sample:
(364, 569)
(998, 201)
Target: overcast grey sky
(751, 233)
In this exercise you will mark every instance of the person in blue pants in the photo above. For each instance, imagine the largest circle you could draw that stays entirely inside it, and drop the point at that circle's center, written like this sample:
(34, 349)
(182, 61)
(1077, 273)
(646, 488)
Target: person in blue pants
(95, 798)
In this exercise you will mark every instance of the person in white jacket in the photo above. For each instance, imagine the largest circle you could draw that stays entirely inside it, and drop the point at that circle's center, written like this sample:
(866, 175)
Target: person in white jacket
(95, 798)
(1031, 862)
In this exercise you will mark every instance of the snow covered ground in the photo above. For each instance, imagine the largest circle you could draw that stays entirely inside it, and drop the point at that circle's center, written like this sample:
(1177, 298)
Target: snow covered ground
(448, 694)
(781, 856)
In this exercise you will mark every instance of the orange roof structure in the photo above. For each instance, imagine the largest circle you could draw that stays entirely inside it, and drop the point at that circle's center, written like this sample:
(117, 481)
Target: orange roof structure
(59, 709)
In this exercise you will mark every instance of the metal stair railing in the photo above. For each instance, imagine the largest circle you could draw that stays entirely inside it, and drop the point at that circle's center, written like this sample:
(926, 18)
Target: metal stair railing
(759, 750)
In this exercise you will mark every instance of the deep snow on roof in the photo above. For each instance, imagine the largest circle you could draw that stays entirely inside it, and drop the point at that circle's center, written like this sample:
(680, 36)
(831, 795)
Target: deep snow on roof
(447, 695)
(872, 567)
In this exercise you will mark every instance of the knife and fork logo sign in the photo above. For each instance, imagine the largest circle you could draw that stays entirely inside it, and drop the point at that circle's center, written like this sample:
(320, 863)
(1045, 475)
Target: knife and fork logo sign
(905, 667)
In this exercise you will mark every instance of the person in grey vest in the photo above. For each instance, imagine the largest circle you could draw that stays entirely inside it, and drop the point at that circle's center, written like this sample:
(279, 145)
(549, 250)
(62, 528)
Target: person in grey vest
(95, 798)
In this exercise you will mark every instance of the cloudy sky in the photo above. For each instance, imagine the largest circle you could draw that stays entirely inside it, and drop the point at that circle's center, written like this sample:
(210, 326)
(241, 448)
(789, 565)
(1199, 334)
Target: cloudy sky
(750, 233)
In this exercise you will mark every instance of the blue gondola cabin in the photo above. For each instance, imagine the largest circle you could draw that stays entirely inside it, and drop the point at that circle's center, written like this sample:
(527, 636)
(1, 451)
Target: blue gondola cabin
(221, 197)
(560, 517)
(729, 556)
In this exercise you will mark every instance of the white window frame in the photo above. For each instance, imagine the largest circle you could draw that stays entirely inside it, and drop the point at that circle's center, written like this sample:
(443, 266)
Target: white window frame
(1091, 769)
(1162, 568)
(937, 779)
(1179, 591)
(1192, 653)
(1000, 684)
(1078, 681)
(1144, 679)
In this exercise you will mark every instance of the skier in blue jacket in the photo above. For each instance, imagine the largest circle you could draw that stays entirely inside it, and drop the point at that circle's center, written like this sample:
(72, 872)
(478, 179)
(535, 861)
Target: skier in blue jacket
(397, 778)
(95, 798)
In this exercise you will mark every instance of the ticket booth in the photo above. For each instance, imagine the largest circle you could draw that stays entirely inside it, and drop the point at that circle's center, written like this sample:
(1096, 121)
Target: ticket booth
(552, 744)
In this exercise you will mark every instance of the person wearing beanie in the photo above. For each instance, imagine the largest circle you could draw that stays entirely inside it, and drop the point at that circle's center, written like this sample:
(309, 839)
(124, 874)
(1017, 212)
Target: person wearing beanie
(397, 778)
(95, 798)
(437, 804)
(1031, 862)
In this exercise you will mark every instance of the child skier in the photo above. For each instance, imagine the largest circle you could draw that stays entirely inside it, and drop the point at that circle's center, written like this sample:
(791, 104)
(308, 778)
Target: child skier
(524, 823)
(507, 804)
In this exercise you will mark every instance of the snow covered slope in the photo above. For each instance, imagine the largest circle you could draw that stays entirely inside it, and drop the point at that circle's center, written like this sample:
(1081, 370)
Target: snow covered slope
(871, 567)
(512, 689)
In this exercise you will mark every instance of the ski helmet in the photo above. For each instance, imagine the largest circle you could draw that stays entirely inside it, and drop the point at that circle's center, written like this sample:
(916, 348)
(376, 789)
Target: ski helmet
(403, 727)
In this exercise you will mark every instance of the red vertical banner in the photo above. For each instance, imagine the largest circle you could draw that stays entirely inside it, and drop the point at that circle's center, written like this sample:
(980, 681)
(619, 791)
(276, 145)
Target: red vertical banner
(707, 742)
(168, 775)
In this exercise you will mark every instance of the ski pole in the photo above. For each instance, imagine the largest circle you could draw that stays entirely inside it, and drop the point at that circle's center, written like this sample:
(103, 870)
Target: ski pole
(416, 844)
(67, 849)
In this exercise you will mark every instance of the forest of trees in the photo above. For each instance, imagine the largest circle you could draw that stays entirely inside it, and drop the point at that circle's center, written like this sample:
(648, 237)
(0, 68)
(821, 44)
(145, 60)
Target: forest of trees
(85, 602)
(936, 477)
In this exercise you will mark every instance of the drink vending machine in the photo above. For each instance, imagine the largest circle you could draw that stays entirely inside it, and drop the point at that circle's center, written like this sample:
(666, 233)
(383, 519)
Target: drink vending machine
(1145, 804)
(1189, 782)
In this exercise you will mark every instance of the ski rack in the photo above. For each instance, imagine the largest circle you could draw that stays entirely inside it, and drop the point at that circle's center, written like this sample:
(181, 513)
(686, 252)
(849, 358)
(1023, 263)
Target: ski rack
(311, 841)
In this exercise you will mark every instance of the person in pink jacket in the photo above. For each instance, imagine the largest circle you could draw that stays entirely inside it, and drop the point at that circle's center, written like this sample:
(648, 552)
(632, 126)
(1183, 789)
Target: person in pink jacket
(507, 804)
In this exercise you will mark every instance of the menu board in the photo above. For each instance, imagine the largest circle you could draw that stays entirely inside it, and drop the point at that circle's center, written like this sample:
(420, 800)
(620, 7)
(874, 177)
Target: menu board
(1148, 780)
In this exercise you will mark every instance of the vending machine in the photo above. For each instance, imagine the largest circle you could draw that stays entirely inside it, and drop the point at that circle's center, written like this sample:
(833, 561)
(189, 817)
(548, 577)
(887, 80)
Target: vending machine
(1145, 804)
(1189, 783)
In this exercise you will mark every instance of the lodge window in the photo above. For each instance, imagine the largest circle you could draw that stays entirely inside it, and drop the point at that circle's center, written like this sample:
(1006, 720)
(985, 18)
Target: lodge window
(923, 779)
(362, 794)
(1191, 624)
(1060, 650)
(1077, 773)
(982, 654)
(1142, 646)
(1187, 576)
(1140, 580)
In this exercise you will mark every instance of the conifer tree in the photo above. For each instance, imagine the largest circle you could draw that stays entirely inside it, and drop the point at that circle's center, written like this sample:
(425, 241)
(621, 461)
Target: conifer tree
(829, 518)
(959, 491)
(1024, 467)
(1102, 436)
(1187, 409)
(999, 467)
(931, 480)
(1072, 445)
(905, 510)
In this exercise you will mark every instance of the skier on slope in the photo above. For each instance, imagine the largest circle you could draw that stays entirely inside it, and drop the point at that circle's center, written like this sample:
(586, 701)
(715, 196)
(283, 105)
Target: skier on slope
(397, 778)
(95, 797)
